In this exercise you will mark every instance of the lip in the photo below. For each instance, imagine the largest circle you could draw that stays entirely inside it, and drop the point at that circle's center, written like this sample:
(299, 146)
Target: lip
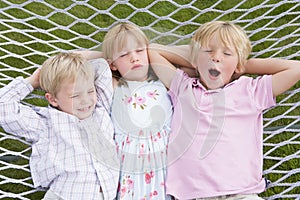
(136, 67)
(85, 109)
(214, 74)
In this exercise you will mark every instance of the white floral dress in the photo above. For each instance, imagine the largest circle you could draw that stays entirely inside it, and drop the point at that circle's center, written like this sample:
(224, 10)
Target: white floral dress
(141, 113)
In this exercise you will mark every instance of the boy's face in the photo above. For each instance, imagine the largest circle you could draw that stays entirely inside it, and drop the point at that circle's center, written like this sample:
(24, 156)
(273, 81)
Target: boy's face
(132, 62)
(216, 63)
(77, 98)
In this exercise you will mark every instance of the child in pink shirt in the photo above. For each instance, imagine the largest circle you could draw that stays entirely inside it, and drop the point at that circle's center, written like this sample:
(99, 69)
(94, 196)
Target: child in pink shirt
(215, 148)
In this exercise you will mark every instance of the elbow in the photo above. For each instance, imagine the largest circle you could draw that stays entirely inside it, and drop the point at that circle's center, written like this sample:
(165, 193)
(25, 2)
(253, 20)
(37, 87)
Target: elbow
(155, 49)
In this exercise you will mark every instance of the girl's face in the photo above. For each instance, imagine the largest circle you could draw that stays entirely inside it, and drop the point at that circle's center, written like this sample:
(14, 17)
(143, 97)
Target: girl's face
(216, 63)
(132, 62)
(77, 98)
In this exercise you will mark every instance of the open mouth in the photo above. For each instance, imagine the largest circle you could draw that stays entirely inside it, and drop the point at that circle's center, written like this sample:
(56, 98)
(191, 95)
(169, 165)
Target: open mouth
(214, 72)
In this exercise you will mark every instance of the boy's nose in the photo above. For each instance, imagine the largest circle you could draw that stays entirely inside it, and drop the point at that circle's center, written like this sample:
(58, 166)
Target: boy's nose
(84, 100)
(215, 58)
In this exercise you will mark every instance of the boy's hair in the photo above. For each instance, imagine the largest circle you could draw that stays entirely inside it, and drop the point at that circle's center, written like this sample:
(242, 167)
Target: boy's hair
(116, 39)
(61, 67)
(229, 33)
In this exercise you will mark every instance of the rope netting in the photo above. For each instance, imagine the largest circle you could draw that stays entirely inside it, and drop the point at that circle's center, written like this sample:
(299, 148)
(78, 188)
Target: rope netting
(33, 30)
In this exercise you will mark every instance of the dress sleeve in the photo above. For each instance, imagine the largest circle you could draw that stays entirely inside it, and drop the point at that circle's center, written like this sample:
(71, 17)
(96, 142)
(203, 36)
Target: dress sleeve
(16, 118)
(103, 83)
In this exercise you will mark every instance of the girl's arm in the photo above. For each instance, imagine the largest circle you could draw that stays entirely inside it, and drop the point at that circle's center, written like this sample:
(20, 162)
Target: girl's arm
(162, 57)
(179, 55)
(161, 66)
(90, 55)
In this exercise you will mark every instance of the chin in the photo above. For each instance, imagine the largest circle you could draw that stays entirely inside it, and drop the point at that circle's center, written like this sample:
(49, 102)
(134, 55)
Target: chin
(214, 87)
(84, 116)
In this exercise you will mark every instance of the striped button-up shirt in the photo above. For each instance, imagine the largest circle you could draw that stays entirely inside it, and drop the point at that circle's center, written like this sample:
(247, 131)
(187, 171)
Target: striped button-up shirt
(75, 158)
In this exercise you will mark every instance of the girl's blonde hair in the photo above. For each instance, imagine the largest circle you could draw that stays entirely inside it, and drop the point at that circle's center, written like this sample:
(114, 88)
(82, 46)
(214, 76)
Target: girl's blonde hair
(229, 33)
(116, 39)
(63, 66)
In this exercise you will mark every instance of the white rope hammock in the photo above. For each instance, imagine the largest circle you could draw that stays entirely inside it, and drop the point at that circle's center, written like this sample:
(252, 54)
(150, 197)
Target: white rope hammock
(37, 41)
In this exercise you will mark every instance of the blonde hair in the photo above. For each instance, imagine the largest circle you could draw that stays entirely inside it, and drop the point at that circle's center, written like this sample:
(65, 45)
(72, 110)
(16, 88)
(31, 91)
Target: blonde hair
(116, 39)
(229, 34)
(61, 67)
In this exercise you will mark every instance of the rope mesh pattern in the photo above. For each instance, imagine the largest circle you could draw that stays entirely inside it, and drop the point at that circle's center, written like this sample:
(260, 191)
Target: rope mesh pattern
(29, 35)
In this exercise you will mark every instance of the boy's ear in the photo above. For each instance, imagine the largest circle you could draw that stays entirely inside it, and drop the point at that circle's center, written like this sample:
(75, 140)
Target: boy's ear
(51, 99)
(239, 69)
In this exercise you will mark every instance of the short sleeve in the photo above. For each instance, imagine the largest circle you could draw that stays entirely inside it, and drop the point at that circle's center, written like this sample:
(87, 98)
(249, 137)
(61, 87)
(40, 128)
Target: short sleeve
(179, 84)
(261, 89)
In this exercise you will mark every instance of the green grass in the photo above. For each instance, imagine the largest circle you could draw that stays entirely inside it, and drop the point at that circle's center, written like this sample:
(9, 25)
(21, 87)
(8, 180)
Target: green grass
(38, 45)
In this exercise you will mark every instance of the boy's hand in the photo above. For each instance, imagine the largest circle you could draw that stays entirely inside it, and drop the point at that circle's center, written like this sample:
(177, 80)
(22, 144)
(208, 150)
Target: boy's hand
(34, 78)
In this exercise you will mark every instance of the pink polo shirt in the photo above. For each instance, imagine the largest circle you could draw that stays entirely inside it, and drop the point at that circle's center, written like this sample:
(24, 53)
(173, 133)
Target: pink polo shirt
(216, 144)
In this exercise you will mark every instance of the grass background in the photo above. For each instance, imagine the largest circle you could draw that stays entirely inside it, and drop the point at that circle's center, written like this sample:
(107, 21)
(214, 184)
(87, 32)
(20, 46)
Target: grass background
(32, 31)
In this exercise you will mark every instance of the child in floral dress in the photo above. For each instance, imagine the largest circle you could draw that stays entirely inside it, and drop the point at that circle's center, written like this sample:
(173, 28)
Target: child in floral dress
(141, 113)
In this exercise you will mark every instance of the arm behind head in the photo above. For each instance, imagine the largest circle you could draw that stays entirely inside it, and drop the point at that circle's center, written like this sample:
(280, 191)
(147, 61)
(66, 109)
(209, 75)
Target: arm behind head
(163, 57)
(286, 73)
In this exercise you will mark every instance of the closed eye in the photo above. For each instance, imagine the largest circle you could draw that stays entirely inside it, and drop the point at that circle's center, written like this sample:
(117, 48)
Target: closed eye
(74, 96)
(124, 54)
(91, 91)
(140, 49)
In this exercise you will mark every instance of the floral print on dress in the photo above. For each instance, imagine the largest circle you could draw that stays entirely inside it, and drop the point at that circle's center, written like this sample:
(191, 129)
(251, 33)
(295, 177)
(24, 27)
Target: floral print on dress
(126, 186)
(153, 94)
(142, 147)
(148, 177)
(140, 101)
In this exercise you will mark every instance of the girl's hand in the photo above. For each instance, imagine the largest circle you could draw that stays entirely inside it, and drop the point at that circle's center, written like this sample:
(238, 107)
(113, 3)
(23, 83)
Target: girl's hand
(34, 78)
